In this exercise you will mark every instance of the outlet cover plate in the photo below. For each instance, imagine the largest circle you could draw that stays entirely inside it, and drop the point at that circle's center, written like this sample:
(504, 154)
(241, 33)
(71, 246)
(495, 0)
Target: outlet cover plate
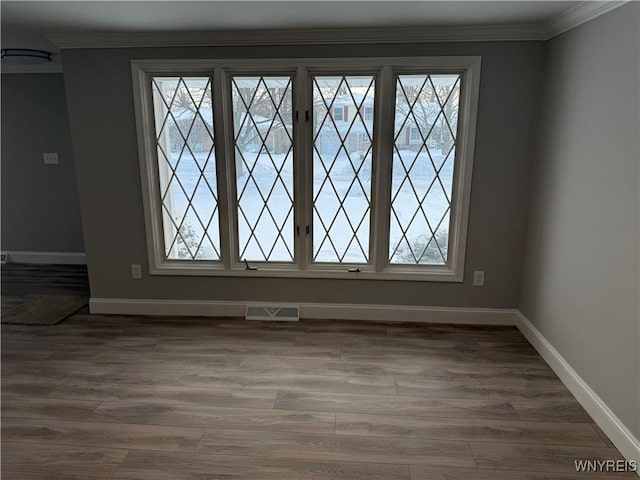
(50, 158)
(136, 271)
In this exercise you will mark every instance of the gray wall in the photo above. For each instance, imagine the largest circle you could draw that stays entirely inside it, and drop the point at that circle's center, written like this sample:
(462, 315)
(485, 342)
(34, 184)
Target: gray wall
(40, 209)
(101, 110)
(581, 270)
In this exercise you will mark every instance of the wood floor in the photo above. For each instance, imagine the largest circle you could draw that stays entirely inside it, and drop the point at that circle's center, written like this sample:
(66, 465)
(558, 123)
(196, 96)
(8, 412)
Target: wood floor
(21, 282)
(202, 399)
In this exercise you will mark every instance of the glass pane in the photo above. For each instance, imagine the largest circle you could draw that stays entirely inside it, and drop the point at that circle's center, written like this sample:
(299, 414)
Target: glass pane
(342, 148)
(263, 138)
(183, 111)
(426, 122)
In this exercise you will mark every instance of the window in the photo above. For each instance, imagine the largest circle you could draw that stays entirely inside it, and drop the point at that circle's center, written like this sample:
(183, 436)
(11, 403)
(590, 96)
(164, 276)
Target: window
(263, 146)
(368, 113)
(422, 179)
(357, 168)
(186, 167)
(414, 134)
(338, 114)
(342, 172)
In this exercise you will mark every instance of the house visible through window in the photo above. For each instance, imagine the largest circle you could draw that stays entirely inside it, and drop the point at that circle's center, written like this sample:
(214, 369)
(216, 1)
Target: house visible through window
(245, 174)
(342, 171)
(263, 146)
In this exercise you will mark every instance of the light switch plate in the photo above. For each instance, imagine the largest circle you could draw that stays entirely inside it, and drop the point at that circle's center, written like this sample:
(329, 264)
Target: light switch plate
(50, 158)
(478, 278)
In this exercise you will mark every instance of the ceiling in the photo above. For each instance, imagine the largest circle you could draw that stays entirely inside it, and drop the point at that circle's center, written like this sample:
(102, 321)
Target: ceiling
(26, 24)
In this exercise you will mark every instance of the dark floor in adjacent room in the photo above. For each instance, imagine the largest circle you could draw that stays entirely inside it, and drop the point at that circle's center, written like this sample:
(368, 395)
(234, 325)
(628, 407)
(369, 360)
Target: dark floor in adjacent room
(21, 282)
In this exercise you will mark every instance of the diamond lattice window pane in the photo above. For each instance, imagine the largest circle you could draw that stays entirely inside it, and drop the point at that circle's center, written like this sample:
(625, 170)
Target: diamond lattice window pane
(183, 111)
(426, 122)
(342, 149)
(263, 138)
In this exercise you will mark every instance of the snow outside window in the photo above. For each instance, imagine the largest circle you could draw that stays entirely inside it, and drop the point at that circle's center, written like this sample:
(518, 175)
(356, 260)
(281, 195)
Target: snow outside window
(342, 169)
(422, 180)
(263, 141)
(183, 110)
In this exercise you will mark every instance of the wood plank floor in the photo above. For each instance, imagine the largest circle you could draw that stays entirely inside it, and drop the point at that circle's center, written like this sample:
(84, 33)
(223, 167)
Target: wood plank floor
(21, 282)
(144, 398)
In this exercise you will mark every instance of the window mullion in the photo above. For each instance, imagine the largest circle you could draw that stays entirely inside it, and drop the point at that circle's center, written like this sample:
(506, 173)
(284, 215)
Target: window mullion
(302, 168)
(381, 171)
(225, 168)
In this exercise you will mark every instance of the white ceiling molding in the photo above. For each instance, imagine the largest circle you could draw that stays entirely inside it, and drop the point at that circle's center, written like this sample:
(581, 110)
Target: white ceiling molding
(576, 16)
(484, 33)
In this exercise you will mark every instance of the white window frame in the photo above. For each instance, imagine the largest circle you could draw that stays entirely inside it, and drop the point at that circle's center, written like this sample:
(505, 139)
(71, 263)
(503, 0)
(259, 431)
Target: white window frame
(227, 74)
(386, 70)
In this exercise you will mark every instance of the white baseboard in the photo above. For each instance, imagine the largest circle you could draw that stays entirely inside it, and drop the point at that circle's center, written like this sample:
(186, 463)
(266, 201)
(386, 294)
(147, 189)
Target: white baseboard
(48, 258)
(388, 313)
(610, 424)
(402, 313)
(191, 308)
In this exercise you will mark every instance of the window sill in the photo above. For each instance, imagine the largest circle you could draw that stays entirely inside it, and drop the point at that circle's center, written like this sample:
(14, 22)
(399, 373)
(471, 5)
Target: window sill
(424, 274)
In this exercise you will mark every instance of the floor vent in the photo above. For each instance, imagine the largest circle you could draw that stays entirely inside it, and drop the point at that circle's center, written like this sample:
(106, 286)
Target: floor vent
(280, 313)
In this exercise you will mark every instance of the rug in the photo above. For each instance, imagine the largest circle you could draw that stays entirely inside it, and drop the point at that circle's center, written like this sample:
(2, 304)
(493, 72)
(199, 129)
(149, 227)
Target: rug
(44, 310)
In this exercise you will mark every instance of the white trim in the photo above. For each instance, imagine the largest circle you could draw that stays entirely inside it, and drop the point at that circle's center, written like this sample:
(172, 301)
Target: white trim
(318, 36)
(148, 175)
(387, 313)
(578, 15)
(203, 66)
(415, 273)
(203, 308)
(51, 258)
(403, 313)
(610, 424)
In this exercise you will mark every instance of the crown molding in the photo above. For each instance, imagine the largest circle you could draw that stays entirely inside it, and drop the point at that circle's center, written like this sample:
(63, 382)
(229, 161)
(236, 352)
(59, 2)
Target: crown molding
(578, 15)
(571, 18)
(483, 33)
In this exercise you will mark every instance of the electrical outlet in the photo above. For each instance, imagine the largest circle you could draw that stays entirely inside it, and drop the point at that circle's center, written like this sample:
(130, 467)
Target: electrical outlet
(136, 271)
(50, 158)
(478, 278)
